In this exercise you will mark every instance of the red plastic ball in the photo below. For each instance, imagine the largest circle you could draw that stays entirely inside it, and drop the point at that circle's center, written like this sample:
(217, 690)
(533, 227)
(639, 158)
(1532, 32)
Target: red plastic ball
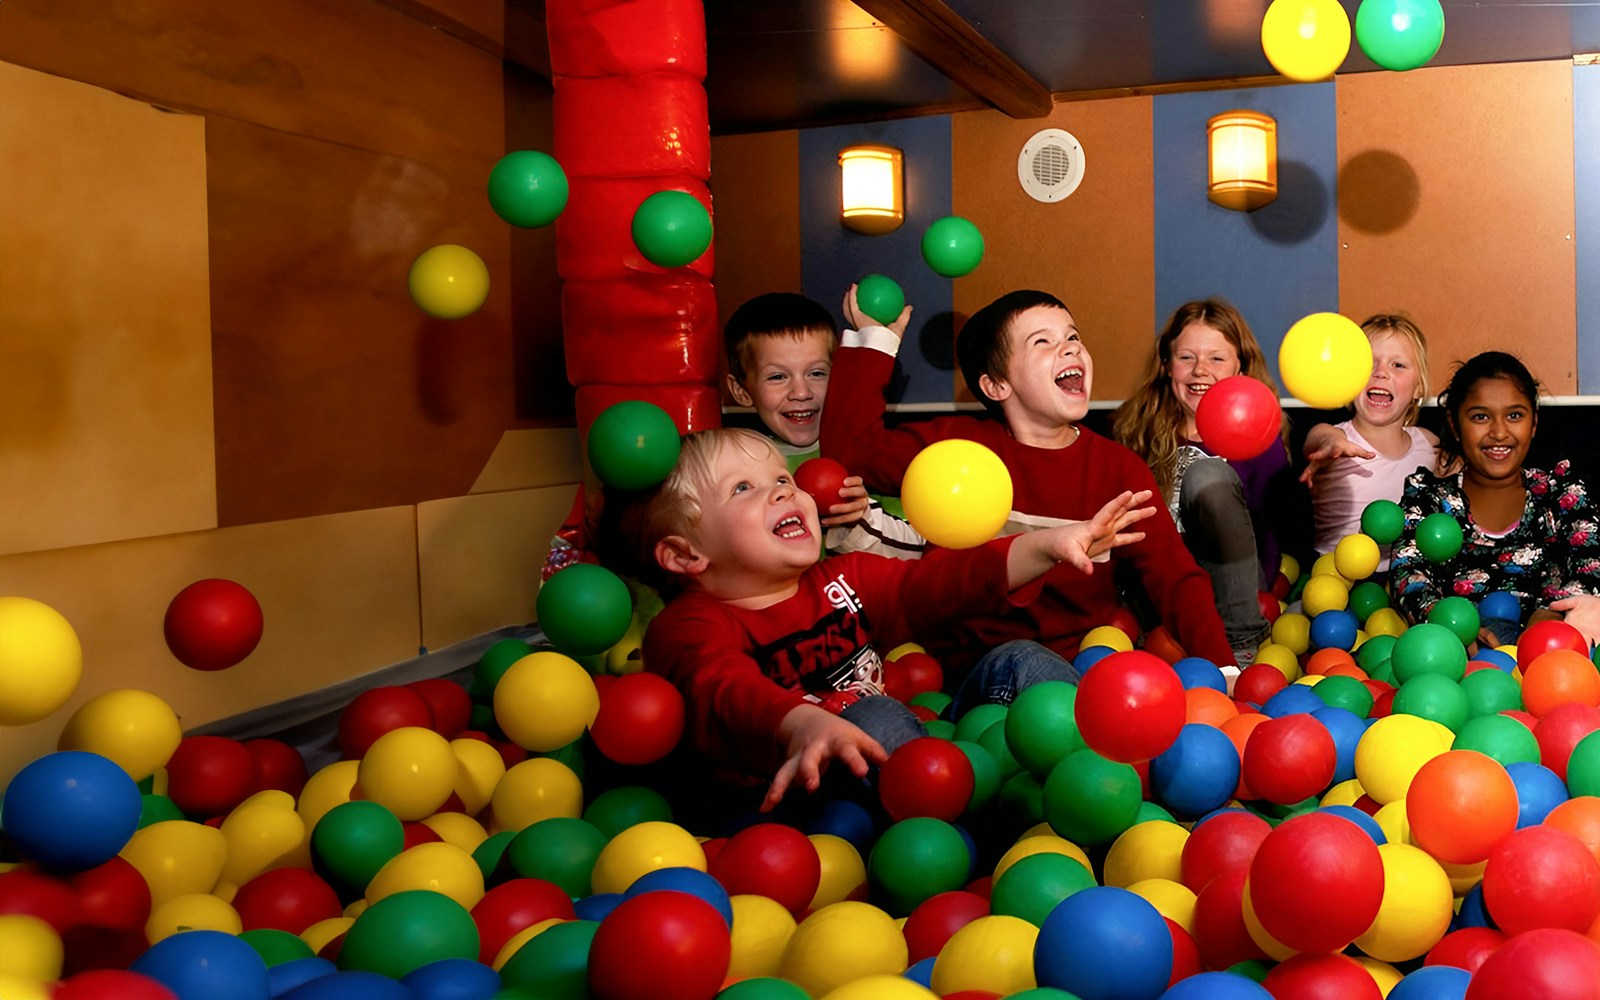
(772, 860)
(1185, 953)
(449, 705)
(667, 945)
(286, 899)
(1221, 844)
(823, 478)
(1541, 876)
(1289, 759)
(1542, 637)
(1465, 948)
(640, 720)
(278, 766)
(209, 775)
(1281, 586)
(935, 919)
(512, 907)
(1559, 677)
(926, 776)
(1316, 882)
(413, 834)
(1321, 977)
(113, 894)
(377, 711)
(1219, 928)
(111, 984)
(1124, 621)
(1239, 418)
(212, 624)
(912, 674)
(1460, 805)
(1268, 603)
(1551, 964)
(1258, 682)
(1559, 730)
(1159, 642)
(1130, 706)
(23, 891)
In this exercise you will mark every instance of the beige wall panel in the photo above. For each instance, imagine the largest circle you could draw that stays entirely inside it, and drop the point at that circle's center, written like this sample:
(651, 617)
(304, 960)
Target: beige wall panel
(338, 596)
(1095, 250)
(480, 558)
(105, 336)
(530, 458)
(1456, 206)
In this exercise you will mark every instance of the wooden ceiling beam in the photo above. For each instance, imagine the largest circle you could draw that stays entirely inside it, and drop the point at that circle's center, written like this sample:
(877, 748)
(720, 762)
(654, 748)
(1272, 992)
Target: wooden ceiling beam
(955, 48)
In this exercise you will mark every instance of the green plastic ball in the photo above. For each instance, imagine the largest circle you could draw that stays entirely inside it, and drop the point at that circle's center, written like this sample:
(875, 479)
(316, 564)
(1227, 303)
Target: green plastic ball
(1032, 887)
(1491, 691)
(616, 809)
(1583, 767)
(880, 297)
(493, 664)
(993, 740)
(157, 809)
(1377, 649)
(528, 188)
(1459, 615)
(584, 609)
(985, 774)
(952, 246)
(1149, 811)
(355, 839)
(917, 858)
(1041, 727)
(560, 849)
(942, 728)
(978, 719)
(632, 445)
(554, 962)
(1439, 537)
(763, 988)
(1022, 799)
(276, 946)
(1498, 736)
(671, 228)
(1367, 597)
(1433, 696)
(934, 701)
(405, 931)
(1339, 691)
(489, 853)
(1400, 34)
(1091, 800)
(1429, 648)
(1383, 521)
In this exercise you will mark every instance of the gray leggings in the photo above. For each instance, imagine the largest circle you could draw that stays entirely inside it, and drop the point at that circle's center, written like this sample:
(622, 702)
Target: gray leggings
(1217, 528)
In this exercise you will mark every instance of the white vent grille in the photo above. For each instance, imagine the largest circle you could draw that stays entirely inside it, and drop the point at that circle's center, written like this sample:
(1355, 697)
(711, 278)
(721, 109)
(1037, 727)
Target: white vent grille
(1051, 165)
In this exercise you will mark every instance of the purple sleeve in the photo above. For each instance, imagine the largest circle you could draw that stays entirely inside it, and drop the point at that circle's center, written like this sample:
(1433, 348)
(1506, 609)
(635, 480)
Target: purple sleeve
(1280, 508)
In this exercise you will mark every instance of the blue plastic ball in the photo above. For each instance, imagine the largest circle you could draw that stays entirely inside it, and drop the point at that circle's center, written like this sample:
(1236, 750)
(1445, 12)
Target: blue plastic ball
(71, 809)
(1432, 982)
(1539, 790)
(198, 964)
(1198, 773)
(921, 971)
(1087, 658)
(1092, 924)
(1217, 986)
(1500, 604)
(1346, 728)
(285, 976)
(1369, 826)
(847, 820)
(1473, 912)
(690, 881)
(1335, 629)
(453, 979)
(596, 907)
(1505, 661)
(1197, 671)
(1296, 699)
(349, 985)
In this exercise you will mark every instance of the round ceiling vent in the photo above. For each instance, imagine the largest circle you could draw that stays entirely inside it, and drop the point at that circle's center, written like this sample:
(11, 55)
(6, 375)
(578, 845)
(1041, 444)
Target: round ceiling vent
(1051, 165)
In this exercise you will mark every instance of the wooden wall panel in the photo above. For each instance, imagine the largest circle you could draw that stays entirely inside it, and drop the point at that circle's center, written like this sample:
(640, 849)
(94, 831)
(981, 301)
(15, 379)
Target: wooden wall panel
(1456, 205)
(1094, 250)
(529, 458)
(338, 596)
(105, 341)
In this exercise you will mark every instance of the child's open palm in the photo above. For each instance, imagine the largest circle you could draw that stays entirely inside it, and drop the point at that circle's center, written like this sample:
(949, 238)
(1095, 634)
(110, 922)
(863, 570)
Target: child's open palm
(813, 737)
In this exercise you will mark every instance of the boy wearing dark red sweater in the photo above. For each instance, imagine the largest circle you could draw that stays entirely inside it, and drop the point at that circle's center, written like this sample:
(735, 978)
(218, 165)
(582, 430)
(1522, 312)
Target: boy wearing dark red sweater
(1023, 357)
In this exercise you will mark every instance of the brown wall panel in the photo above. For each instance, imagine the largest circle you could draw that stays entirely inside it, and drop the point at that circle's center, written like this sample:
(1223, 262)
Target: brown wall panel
(1095, 249)
(1456, 205)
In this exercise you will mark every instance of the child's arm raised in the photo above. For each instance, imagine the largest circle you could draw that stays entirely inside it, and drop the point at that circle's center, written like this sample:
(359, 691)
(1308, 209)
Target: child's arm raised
(812, 738)
(1326, 444)
(1037, 552)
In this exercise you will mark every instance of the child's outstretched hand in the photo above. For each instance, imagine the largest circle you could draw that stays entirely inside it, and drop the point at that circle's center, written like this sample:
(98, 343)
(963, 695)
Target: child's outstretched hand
(857, 319)
(1103, 532)
(1582, 612)
(812, 738)
(854, 494)
(1324, 446)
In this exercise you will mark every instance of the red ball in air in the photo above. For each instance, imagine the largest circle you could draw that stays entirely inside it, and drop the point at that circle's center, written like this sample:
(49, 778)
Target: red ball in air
(823, 478)
(212, 624)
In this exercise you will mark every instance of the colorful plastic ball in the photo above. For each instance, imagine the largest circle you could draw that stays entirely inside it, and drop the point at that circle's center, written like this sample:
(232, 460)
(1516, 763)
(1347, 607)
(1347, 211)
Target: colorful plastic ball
(453, 979)
(1367, 597)
(1316, 882)
(1541, 877)
(1239, 417)
(1428, 649)
(410, 772)
(1152, 849)
(1400, 34)
(1466, 947)
(1089, 799)
(640, 719)
(1088, 926)
(70, 809)
(1416, 909)
(1500, 604)
(545, 700)
(528, 188)
(773, 860)
(514, 906)
(448, 281)
(1439, 537)
(1324, 358)
(690, 881)
(930, 926)
(1225, 841)
(1130, 707)
(918, 858)
(1432, 696)
(1221, 985)
(554, 962)
(1321, 977)
(616, 809)
(1548, 963)
(1505, 739)
(583, 609)
(41, 661)
(1356, 556)
(276, 947)
(562, 850)
(1433, 982)
(1257, 683)
(672, 228)
(212, 624)
(111, 984)
(844, 873)
(926, 777)
(993, 954)
(1323, 594)
(209, 775)
(206, 963)
(353, 840)
(761, 931)
(957, 493)
(952, 246)
(1460, 804)
(1580, 817)
(880, 297)
(841, 943)
(1383, 521)
(1289, 759)
(1559, 677)
(434, 867)
(763, 988)
(1491, 691)
(286, 899)
(403, 932)
(823, 478)
(133, 728)
(1034, 885)
(1538, 791)
(645, 847)
(632, 445)
(1560, 732)
(1041, 727)
(1197, 773)
(376, 711)
(1334, 630)
(1196, 671)
(1459, 615)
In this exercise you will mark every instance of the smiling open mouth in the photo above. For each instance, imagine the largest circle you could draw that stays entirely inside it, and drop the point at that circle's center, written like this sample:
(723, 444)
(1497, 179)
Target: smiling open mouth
(1070, 380)
(790, 527)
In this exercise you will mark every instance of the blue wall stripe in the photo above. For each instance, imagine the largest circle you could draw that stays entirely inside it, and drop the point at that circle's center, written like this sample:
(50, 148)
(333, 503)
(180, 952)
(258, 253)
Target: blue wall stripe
(1586, 150)
(1278, 263)
(831, 257)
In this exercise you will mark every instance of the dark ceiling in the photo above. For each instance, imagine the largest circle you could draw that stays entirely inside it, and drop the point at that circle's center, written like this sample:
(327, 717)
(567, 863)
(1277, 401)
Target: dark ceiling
(787, 63)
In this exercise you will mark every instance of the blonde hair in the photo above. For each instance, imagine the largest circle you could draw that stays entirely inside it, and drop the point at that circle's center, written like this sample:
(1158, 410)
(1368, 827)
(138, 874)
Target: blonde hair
(1400, 325)
(675, 508)
(1150, 421)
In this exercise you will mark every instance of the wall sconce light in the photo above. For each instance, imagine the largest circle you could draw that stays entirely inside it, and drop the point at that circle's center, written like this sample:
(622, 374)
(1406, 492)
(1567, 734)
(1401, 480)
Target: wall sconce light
(1243, 171)
(873, 183)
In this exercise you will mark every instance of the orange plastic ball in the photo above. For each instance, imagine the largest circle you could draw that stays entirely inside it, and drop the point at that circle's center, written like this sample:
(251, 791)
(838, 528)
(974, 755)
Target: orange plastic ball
(1324, 660)
(1460, 805)
(1558, 677)
(1581, 818)
(1208, 707)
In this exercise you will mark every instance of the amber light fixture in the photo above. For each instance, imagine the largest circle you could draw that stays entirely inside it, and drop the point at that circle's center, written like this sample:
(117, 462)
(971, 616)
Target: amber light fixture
(1243, 172)
(873, 185)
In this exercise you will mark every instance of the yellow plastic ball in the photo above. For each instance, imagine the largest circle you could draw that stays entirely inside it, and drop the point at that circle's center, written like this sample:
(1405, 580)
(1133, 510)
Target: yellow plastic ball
(1108, 636)
(1306, 41)
(1393, 821)
(1289, 566)
(328, 787)
(993, 954)
(195, 911)
(437, 867)
(643, 848)
(516, 941)
(1039, 844)
(1293, 630)
(264, 832)
(41, 660)
(356, 908)
(448, 281)
(1325, 359)
(480, 768)
(903, 649)
(1282, 657)
(177, 858)
(1385, 621)
(841, 943)
(1172, 900)
(1416, 909)
(457, 828)
(761, 932)
(32, 949)
(881, 987)
(1356, 556)
(1345, 793)
(843, 872)
(1324, 593)
(1275, 949)
(410, 771)
(1152, 849)
(957, 493)
(538, 788)
(134, 728)
(1311, 680)
(1392, 751)
(320, 934)
(1326, 566)
(545, 701)
(1386, 976)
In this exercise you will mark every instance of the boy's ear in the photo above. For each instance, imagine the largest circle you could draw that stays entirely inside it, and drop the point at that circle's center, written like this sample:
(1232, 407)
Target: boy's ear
(736, 390)
(676, 554)
(994, 388)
